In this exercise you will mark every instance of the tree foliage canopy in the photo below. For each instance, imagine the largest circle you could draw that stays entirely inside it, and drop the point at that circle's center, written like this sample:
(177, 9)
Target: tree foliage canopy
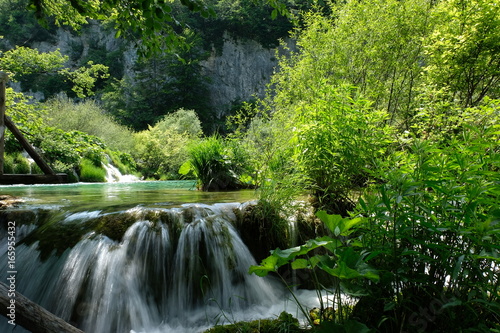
(154, 21)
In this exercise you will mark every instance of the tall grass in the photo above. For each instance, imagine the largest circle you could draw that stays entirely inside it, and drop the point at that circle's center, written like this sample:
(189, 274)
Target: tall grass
(89, 172)
(212, 167)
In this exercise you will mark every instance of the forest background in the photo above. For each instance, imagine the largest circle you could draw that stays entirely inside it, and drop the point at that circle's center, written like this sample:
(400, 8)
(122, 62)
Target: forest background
(385, 113)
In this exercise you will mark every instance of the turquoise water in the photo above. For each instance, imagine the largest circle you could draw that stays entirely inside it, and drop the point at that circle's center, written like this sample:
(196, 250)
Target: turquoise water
(119, 196)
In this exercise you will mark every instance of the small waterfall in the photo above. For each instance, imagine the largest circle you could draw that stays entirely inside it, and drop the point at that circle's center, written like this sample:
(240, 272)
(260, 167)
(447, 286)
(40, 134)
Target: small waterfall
(172, 270)
(114, 175)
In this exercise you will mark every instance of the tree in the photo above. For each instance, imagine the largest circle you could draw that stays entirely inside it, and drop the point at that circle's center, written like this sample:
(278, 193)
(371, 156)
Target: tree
(375, 45)
(24, 63)
(154, 21)
(462, 53)
(162, 84)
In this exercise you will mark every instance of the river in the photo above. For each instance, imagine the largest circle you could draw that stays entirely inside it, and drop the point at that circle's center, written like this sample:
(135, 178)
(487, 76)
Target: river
(152, 257)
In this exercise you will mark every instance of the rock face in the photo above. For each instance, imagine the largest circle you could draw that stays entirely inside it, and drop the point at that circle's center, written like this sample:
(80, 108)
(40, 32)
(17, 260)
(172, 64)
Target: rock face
(236, 73)
(241, 71)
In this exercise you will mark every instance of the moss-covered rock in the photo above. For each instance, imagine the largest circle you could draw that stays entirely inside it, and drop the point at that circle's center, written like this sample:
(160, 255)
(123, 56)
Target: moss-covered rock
(262, 228)
(285, 323)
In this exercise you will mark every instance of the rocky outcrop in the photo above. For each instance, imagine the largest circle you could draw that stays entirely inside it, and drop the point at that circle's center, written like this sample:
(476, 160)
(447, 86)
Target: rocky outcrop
(239, 72)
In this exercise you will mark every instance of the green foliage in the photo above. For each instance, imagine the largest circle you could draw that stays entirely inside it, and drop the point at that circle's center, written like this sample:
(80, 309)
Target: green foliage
(462, 51)
(38, 71)
(89, 172)
(98, 52)
(90, 118)
(16, 164)
(285, 323)
(440, 120)
(20, 25)
(153, 21)
(162, 85)
(215, 163)
(156, 23)
(434, 229)
(62, 149)
(162, 149)
(85, 77)
(243, 19)
(24, 61)
(268, 163)
(26, 114)
(419, 252)
(123, 161)
(342, 257)
(337, 137)
(68, 147)
(375, 45)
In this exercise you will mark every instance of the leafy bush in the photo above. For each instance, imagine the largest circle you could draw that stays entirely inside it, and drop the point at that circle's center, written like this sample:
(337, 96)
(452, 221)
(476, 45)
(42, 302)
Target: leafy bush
(162, 149)
(433, 229)
(339, 136)
(69, 147)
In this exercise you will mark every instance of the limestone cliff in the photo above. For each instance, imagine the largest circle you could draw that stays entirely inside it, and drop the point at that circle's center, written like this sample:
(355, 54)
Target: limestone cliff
(239, 72)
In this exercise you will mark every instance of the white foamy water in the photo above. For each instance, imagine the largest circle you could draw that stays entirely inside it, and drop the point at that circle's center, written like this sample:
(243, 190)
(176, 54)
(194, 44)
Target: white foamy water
(182, 270)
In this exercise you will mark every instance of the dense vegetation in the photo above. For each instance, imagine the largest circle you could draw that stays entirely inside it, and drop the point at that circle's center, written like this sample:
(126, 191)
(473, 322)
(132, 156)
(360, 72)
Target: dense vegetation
(386, 117)
(122, 102)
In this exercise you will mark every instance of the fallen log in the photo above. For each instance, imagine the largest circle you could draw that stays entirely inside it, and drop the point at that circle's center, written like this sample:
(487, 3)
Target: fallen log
(30, 315)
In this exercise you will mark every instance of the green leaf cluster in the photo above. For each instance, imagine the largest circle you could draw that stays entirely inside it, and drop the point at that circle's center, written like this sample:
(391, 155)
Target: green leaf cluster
(163, 148)
(26, 64)
(390, 103)
(340, 255)
(433, 227)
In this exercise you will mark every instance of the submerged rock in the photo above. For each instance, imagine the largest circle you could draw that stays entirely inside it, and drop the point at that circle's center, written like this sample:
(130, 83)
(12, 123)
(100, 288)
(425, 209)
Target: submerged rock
(8, 201)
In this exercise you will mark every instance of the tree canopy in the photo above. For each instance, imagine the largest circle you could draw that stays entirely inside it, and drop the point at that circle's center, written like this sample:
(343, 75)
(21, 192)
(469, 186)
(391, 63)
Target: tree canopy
(154, 21)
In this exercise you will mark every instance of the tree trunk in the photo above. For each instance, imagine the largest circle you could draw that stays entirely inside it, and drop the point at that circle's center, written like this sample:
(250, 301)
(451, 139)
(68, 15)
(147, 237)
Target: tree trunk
(29, 315)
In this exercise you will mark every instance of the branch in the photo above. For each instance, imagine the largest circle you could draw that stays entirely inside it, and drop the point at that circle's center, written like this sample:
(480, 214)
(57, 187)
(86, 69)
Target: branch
(29, 315)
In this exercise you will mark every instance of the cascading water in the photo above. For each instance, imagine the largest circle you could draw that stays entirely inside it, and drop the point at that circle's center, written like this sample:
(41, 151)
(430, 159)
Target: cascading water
(171, 270)
(114, 175)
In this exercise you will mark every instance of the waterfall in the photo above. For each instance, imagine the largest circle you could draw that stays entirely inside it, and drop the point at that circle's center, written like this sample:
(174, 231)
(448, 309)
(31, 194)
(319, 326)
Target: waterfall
(180, 269)
(114, 175)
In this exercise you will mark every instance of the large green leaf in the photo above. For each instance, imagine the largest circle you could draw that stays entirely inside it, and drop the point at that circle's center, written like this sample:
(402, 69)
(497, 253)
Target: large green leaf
(280, 257)
(338, 225)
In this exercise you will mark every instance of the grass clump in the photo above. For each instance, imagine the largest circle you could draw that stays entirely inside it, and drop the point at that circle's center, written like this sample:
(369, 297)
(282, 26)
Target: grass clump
(16, 164)
(215, 165)
(89, 172)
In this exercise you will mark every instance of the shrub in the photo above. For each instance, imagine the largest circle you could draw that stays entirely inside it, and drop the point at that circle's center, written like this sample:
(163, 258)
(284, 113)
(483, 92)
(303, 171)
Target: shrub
(209, 160)
(162, 149)
(338, 137)
(89, 172)
(433, 229)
